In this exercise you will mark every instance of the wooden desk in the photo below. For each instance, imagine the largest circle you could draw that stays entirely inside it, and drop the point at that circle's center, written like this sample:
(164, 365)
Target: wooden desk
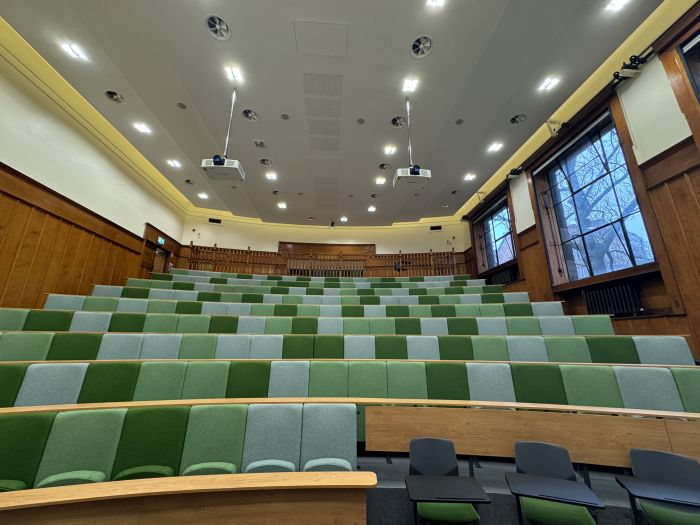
(291, 498)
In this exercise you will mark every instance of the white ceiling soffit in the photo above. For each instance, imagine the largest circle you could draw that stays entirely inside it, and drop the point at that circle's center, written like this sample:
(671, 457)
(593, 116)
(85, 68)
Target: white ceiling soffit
(327, 64)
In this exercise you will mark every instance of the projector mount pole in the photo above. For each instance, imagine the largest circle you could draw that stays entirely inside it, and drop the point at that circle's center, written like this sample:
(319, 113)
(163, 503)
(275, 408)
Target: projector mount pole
(408, 127)
(230, 120)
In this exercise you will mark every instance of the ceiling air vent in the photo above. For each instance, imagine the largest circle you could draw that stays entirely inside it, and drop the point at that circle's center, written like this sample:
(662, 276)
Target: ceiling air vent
(436, 228)
(398, 122)
(218, 28)
(421, 46)
(259, 144)
(214, 221)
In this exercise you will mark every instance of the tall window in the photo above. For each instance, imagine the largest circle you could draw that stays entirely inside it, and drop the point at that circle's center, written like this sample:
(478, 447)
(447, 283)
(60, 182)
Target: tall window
(498, 239)
(599, 225)
(691, 56)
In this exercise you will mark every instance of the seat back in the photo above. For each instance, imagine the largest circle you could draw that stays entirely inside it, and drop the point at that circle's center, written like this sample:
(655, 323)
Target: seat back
(543, 459)
(329, 438)
(272, 438)
(665, 467)
(432, 457)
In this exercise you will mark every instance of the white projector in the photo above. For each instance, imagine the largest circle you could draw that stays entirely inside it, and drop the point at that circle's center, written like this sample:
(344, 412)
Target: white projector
(223, 169)
(410, 178)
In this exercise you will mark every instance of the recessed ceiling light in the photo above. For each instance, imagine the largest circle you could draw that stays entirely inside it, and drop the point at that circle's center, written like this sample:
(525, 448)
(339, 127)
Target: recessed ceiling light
(616, 5)
(271, 175)
(74, 51)
(343, 219)
(282, 205)
(203, 196)
(469, 176)
(389, 149)
(312, 218)
(372, 209)
(142, 128)
(549, 84)
(233, 73)
(409, 84)
(435, 3)
(174, 163)
(496, 146)
(380, 181)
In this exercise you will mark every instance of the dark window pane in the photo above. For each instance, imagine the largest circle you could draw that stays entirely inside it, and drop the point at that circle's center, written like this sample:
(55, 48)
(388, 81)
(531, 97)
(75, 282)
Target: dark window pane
(567, 220)
(639, 240)
(607, 250)
(575, 257)
(596, 205)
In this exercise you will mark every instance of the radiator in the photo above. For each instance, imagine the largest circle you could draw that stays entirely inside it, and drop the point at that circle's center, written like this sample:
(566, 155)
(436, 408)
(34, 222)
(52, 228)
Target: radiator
(621, 299)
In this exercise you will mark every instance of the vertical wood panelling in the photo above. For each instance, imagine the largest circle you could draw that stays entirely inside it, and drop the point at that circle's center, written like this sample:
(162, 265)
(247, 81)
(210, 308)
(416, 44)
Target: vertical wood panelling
(49, 244)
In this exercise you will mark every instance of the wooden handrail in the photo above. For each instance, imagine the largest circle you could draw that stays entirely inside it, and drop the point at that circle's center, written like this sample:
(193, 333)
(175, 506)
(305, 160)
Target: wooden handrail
(349, 360)
(325, 264)
(365, 401)
(180, 485)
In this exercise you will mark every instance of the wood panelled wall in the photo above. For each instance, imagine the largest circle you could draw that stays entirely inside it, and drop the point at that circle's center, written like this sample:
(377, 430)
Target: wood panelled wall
(49, 244)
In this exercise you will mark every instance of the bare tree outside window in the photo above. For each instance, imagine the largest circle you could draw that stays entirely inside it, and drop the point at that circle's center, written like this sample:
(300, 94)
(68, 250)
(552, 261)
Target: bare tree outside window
(498, 239)
(596, 209)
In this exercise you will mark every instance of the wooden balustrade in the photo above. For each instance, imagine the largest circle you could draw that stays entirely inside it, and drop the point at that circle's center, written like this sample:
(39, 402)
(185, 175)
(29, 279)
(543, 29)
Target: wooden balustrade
(321, 264)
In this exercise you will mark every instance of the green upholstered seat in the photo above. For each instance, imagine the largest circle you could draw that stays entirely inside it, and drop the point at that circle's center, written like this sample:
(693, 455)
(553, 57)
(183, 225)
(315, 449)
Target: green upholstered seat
(81, 448)
(688, 384)
(248, 379)
(571, 349)
(298, 347)
(214, 440)
(329, 347)
(197, 346)
(446, 381)
(109, 382)
(158, 381)
(447, 512)
(594, 386)
(13, 318)
(74, 347)
(22, 441)
(619, 349)
(127, 322)
(390, 347)
(455, 347)
(48, 321)
(25, 346)
(543, 512)
(490, 348)
(328, 379)
(11, 377)
(659, 513)
(205, 380)
(151, 443)
(406, 380)
(534, 383)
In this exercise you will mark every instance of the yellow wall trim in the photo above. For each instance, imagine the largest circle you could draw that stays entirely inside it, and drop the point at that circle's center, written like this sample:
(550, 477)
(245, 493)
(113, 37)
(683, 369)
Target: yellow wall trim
(652, 28)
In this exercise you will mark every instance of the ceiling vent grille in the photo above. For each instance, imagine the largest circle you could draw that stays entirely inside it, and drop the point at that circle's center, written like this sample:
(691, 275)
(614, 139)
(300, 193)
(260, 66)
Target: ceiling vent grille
(421, 46)
(218, 28)
(323, 84)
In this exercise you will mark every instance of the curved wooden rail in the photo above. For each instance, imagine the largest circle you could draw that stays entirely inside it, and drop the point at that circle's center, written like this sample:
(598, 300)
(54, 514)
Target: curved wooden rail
(295, 498)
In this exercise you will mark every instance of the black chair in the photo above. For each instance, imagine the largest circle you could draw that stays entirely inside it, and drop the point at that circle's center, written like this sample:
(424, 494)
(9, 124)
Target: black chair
(550, 461)
(668, 469)
(437, 457)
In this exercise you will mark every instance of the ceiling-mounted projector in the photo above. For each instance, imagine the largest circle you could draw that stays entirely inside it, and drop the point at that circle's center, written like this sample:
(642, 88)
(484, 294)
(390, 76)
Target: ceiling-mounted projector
(219, 167)
(414, 175)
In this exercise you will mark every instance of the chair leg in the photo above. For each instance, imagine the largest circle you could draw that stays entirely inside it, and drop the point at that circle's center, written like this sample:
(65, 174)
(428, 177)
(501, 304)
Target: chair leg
(520, 510)
(635, 513)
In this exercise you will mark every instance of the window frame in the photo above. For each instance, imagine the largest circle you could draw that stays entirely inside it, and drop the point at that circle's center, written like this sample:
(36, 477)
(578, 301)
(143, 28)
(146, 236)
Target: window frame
(502, 199)
(550, 227)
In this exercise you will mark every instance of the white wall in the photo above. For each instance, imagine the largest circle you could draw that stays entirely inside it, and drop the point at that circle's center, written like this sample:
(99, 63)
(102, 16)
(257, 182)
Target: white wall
(522, 205)
(265, 237)
(652, 112)
(40, 140)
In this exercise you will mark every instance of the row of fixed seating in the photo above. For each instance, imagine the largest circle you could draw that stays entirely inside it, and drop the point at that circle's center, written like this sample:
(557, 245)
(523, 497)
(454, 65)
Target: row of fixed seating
(51, 449)
(314, 284)
(17, 319)
(134, 292)
(127, 304)
(298, 290)
(300, 278)
(637, 387)
(49, 346)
